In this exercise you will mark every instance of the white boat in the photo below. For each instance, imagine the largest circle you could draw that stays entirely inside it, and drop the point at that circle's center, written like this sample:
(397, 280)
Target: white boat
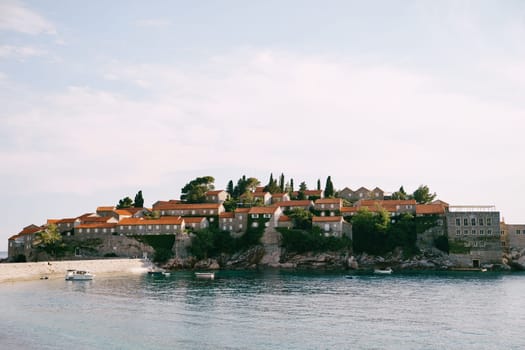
(158, 272)
(205, 275)
(385, 271)
(78, 275)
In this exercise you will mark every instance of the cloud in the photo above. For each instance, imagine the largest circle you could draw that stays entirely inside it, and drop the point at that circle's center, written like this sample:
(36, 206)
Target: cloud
(153, 23)
(15, 16)
(257, 109)
(20, 52)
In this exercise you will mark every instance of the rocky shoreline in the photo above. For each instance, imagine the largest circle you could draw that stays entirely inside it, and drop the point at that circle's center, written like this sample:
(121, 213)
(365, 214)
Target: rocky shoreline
(431, 259)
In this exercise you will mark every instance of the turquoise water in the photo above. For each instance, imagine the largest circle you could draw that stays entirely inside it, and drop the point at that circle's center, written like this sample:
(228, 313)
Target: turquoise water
(267, 310)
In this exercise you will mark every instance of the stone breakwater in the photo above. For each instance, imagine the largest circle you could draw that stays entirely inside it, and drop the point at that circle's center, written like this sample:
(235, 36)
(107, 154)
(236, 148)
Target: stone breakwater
(57, 269)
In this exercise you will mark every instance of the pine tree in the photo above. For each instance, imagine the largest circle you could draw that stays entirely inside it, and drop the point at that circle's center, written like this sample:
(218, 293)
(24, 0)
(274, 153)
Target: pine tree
(230, 188)
(281, 183)
(329, 188)
(318, 184)
(139, 200)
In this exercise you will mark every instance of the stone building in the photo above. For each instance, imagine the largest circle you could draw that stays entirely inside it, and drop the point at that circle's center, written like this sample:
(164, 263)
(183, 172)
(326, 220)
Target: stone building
(474, 235)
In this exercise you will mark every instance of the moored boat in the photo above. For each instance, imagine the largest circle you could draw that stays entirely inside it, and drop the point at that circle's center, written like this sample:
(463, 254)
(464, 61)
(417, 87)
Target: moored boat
(383, 271)
(78, 275)
(205, 275)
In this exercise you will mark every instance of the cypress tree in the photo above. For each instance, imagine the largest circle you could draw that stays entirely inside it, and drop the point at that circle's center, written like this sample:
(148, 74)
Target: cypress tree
(329, 188)
(139, 200)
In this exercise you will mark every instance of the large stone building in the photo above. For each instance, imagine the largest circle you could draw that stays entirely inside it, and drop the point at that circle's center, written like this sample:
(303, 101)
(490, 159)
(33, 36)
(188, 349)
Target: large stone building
(474, 235)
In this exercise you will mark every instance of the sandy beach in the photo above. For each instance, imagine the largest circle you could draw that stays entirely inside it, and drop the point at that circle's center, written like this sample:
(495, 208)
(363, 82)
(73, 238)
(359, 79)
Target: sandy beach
(10, 272)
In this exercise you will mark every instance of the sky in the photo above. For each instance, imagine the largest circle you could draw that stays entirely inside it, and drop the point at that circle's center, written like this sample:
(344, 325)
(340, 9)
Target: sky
(102, 99)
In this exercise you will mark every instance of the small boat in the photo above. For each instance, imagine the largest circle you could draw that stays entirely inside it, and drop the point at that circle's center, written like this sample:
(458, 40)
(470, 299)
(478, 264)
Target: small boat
(78, 275)
(205, 275)
(158, 272)
(384, 271)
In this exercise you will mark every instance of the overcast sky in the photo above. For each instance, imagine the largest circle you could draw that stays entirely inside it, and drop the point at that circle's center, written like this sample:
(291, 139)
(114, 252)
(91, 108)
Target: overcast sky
(101, 99)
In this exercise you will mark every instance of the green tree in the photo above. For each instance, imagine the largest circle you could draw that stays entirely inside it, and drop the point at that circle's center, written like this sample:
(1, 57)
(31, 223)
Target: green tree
(125, 202)
(291, 186)
(400, 194)
(272, 186)
(230, 188)
(302, 189)
(329, 187)
(301, 218)
(49, 240)
(195, 190)
(282, 185)
(422, 195)
(139, 200)
(318, 184)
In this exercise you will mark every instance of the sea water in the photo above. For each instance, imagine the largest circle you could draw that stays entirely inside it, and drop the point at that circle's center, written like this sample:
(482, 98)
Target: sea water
(267, 310)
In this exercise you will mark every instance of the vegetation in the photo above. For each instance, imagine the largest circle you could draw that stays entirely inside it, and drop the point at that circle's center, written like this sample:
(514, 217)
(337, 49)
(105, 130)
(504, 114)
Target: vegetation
(301, 241)
(329, 187)
(458, 247)
(301, 218)
(124, 203)
(441, 243)
(272, 186)
(162, 244)
(377, 233)
(195, 190)
(49, 241)
(422, 195)
(139, 200)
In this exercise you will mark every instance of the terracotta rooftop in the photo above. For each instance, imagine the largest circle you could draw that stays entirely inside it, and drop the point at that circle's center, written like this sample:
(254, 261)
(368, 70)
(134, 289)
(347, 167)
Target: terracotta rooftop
(262, 210)
(167, 220)
(284, 218)
(294, 203)
(214, 192)
(96, 225)
(327, 218)
(329, 201)
(105, 208)
(242, 210)
(193, 219)
(227, 214)
(430, 209)
(123, 212)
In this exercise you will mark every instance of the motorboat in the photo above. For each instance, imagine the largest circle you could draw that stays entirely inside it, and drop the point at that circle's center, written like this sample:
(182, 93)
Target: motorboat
(205, 275)
(158, 273)
(383, 271)
(78, 275)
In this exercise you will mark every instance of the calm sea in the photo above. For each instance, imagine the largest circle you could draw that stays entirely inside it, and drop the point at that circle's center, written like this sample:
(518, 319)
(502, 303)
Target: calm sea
(267, 310)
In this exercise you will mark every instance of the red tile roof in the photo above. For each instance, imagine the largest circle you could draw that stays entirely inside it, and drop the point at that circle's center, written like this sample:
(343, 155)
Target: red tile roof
(28, 230)
(294, 203)
(193, 220)
(329, 201)
(242, 210)
(327, 218)
(105, 208)
(123, 212)
(373, 202)
(93, 219)
(430, 209)
(313, 192)
(227, 215)
(66, 221)
(262, 210)
(167, 220)
(284, 218)
(349, 209)
(96, 225)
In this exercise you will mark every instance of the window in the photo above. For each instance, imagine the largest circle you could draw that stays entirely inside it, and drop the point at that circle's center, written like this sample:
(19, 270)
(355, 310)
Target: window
(204, 211)
(129, 227)
(157, 227)
(482, 244)
(458, 222)
(255, 216)
(518, 232)
(473, 232)
(240, 217)
(489, 232)
(79, 230)
(193, 212)
(140, 227)
(175, 227)
(475, 244)
(266, 224)
(240, 226)
(87, 230)
(322, 206)
(465, 221)
(255, 224)
(167, 227)
(480, 221)
(224, 228)
(465, 232)
(231, 228)
(211, 211)
(104, 230)
(481, 232)
(473, 221)
(458, 232)
(163, 212)
(96, 230)
(267, 216)
(489, 221)
(149, 227)
(327, 227)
